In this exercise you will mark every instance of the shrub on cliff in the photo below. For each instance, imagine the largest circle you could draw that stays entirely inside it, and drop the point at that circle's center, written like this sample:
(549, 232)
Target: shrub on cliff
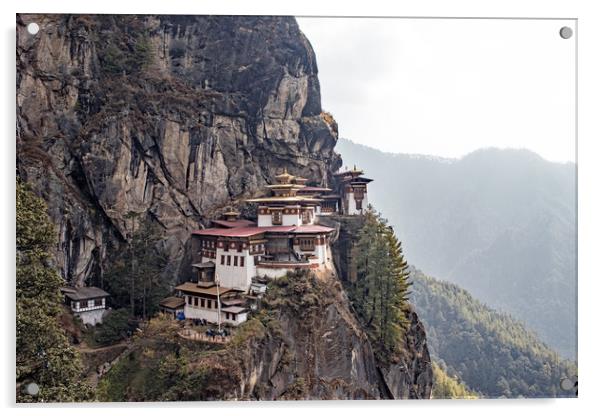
(44, 355)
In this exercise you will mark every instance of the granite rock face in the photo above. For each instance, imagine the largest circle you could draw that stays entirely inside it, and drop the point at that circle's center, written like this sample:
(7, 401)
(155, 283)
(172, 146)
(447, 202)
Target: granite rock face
(120, 118)
(174, 118)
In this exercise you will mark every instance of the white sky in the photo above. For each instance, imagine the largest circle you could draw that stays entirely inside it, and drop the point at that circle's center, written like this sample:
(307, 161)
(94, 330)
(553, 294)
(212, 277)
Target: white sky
(446, 87)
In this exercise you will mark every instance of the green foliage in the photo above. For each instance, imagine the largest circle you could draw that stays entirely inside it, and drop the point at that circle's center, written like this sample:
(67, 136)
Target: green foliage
(446, 387)
(379, 296)
(491, 352)
(124, 54)
(114, 328)
(136, 277)
(161, 366)
(44, 355)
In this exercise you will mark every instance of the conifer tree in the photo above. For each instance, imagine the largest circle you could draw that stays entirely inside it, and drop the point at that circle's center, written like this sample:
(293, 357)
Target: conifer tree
(44, 355)
(136, 277)
(380, 294)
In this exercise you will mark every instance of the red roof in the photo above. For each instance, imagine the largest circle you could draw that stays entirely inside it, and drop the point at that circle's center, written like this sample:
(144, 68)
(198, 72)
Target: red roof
(233, 224)
(251, 231)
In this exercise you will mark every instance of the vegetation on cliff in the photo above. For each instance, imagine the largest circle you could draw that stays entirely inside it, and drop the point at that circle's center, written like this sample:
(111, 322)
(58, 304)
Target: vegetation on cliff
(379, 295)
(43, 355)
(136, 277)
(448, 387)
(492, 353)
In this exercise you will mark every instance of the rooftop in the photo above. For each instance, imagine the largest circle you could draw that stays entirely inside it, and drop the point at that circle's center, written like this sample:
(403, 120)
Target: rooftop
(355, 171)
(233, 309)
(206, 265)
(251, 231)
(192, 287)
(314, 189)
(284, 199)
(81, 293)
(172, 302)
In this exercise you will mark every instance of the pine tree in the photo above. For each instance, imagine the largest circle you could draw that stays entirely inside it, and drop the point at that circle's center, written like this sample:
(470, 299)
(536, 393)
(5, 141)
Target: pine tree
(136, 278)
(44, 355)
(380, 294)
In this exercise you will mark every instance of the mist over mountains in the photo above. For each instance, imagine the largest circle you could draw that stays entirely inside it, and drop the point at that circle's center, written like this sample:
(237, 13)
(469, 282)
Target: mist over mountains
(499, 223)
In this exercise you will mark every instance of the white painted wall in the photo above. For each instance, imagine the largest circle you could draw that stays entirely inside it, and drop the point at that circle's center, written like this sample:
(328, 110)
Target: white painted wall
(91, 317)
(291, 219)
(351, 201)
(264, 220)
(196, 312)
(236, 277)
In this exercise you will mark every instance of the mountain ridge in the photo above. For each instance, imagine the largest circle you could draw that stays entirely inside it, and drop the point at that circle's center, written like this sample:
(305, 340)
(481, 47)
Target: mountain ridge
(500, 223)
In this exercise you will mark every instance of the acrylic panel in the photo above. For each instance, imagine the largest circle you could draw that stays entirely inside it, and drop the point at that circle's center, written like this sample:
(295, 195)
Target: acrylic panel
(295, 208)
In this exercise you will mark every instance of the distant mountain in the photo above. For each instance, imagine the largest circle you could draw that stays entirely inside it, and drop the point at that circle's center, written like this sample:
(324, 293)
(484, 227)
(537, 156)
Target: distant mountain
(490, 352)
(500, 223)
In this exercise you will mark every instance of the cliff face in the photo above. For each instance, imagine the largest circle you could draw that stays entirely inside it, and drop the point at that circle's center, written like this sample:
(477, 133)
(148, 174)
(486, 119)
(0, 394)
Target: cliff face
(120, 118)
(172, 117)
(304, 343)
(410, 375)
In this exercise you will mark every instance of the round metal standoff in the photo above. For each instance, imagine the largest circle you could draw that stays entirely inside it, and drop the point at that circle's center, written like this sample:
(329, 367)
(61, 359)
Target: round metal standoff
(566, 32)
(33, 28)
(32, 389)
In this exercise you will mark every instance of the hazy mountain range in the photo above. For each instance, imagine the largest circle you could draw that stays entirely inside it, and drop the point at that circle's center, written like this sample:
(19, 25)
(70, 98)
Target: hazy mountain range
(500, 223)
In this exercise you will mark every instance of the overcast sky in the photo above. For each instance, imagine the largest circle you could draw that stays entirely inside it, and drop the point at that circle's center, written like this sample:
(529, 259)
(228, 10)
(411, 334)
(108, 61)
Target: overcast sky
(446, 87)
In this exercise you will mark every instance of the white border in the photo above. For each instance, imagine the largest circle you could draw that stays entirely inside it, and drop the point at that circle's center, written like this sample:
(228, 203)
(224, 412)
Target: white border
(589, 162)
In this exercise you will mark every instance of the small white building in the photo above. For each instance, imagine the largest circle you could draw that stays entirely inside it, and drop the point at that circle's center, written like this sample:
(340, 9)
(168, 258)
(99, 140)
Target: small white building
(87, 303)
(173, 306)
(205, 300)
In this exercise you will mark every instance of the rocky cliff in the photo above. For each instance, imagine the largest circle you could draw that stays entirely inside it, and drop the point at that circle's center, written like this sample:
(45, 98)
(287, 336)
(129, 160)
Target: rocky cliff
(304, 343)
(172, 117)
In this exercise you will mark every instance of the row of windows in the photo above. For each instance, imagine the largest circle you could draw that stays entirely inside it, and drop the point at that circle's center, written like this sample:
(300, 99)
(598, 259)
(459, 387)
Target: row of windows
(87, 303)
(208, 244)
(257, 247)
(306, 244)
(232, 260)
(202, 302)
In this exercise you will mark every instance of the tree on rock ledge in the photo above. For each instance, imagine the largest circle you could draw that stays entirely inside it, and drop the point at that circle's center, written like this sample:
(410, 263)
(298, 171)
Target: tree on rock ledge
(43, 355)
(380, 293)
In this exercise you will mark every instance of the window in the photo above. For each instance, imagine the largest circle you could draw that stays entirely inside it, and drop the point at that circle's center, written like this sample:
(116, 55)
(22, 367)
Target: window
(227, 315)
(236, 260)
(255, 260)
(229, 260)
(83, 304)
(190, 300)
(242, 261)
(277, 217)
(209, 303)
(202, 303)
(196, 301)
(305, 217)
(97, 302)
(358, 204)
(307, 244)
(222, 261)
